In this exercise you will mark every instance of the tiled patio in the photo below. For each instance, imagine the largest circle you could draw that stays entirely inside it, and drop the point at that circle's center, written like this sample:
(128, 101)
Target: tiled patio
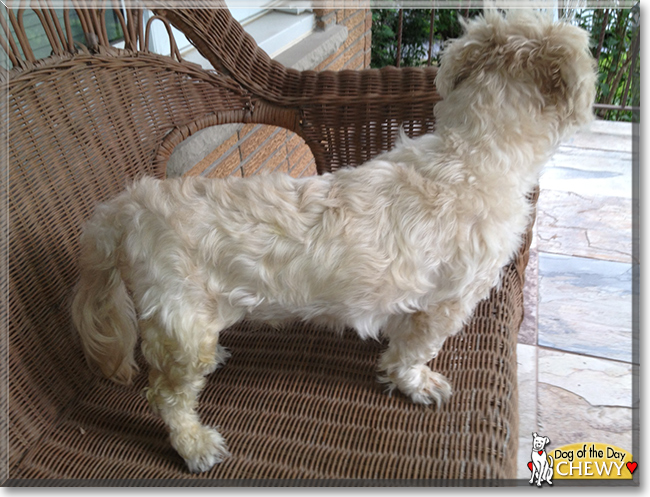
(575, 345)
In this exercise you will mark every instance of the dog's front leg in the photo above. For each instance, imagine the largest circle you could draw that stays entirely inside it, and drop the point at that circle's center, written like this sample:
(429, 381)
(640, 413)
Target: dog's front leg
(414, 340)
(543, 471)
(540, 473)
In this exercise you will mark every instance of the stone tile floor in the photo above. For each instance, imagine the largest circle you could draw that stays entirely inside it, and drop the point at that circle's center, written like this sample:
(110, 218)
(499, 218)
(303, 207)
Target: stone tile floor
(575, 345)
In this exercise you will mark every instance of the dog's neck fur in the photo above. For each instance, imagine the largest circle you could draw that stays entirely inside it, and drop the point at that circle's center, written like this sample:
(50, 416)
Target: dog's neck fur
(504, 140)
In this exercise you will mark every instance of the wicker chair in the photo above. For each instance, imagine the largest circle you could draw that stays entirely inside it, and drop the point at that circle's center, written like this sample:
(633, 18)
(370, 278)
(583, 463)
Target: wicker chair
(297, 404)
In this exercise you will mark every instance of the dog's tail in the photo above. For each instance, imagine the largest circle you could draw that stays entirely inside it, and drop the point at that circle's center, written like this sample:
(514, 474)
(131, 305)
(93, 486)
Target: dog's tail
(102, 309)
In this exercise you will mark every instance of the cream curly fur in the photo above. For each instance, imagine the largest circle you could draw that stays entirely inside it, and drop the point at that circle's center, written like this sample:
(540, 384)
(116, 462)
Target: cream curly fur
(404, 246)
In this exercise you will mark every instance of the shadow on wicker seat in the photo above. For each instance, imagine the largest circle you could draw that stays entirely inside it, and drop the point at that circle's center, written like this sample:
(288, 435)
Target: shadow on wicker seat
(295, 404)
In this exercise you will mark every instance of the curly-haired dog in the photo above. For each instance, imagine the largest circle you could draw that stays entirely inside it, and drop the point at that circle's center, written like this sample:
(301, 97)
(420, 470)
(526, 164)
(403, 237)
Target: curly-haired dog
(404, 246)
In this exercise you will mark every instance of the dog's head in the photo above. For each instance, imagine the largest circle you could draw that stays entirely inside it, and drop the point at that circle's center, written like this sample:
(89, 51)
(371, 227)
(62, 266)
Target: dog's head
(524, 56)
(540, 442)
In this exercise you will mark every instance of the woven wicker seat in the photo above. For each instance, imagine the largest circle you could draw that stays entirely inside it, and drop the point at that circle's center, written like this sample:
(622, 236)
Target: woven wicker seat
(298, 403)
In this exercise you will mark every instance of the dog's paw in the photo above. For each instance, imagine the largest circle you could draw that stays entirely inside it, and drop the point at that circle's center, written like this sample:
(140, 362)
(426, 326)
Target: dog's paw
(433, 387)
(222, 355)
(201, 447)
(421, 384)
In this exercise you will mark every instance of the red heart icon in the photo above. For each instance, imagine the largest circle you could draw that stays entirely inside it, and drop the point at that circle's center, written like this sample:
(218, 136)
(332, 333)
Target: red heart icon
(530, 465)
(631, 466)
(540, 452)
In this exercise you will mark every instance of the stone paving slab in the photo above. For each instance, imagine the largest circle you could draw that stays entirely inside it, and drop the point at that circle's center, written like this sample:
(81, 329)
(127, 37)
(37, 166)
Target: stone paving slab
(585, 306)
(595, 226)
(601, 382)
(567, 418)
(570, 399)
(589, 172)
(604, 135)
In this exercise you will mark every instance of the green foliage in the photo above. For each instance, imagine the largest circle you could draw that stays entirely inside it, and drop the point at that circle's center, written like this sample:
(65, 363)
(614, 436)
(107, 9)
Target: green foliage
(415, 34)
(614, 38)
(384, 34)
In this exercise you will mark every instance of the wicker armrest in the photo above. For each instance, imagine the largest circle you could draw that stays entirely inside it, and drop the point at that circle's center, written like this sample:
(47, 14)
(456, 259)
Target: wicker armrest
(222, 40)
(231, 51)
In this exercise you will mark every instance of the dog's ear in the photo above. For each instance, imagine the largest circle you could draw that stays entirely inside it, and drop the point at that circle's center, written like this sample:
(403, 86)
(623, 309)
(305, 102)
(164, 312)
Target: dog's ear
(534, 435)
(565, 73)
(547, 440)
(460, 56)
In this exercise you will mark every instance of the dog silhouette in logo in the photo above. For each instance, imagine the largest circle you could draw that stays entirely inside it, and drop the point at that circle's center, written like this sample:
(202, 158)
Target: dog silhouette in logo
(542, 464)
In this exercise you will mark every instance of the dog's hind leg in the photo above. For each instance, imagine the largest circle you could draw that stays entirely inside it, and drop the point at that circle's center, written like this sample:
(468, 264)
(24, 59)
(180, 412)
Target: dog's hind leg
(414, 340)
(179, 361)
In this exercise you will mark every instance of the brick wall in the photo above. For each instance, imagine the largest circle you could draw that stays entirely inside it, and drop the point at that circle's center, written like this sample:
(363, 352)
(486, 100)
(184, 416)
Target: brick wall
(257, 149)
(260, 149)
(355, 52)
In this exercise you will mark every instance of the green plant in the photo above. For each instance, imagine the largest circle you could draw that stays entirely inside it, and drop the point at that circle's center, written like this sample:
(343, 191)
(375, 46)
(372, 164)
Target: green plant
(416, 34)
(385, 27)
(615, 35)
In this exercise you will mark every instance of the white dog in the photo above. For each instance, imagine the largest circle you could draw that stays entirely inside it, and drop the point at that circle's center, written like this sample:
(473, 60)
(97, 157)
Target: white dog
(542, 463)
(404, 246)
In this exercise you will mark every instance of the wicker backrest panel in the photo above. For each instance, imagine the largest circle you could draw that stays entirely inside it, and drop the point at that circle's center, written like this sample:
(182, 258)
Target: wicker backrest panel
(80, 129)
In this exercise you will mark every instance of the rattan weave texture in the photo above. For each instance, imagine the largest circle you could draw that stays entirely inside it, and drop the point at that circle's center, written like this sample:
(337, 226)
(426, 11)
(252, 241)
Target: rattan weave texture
(298, 402)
